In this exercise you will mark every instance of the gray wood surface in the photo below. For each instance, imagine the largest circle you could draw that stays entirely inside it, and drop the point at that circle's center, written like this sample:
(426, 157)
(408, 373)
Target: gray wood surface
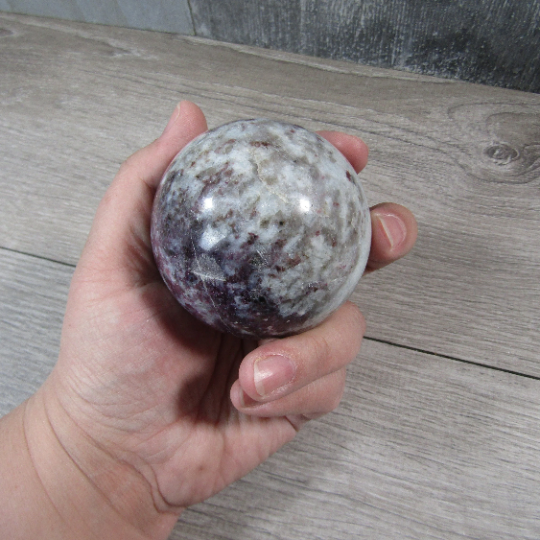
(440, 442)
(163, 15)
(420, 448)
(75, 100)
(33, 295)
(493, 42)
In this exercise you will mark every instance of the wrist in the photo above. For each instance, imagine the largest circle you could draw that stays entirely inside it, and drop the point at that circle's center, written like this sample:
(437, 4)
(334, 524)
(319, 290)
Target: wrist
(94, 494)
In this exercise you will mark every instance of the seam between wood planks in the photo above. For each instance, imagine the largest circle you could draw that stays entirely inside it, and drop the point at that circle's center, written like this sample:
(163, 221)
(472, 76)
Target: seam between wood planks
(447, 357)
(368, 338)
(39, 257)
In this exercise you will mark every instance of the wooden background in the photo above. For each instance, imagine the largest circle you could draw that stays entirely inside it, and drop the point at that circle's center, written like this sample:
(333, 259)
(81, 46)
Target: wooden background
(438, 436)
(163, 15)
(494, 42)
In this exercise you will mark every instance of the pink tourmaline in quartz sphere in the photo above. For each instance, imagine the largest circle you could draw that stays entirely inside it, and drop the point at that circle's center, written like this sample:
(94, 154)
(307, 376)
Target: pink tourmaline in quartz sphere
(260, 228)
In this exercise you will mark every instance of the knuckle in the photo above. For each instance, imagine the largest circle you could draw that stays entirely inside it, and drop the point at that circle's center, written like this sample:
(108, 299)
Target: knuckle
(334, 390)
(322, 353)
(337, 394)
(335, 402)
(127, 166)
(358, 320)
(356, 330)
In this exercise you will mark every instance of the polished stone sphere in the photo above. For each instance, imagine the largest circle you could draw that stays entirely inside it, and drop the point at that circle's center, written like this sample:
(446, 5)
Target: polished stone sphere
(260, 228)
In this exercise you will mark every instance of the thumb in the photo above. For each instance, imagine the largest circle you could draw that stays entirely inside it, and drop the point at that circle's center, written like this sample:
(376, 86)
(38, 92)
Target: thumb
(118, 246)
(149, 164)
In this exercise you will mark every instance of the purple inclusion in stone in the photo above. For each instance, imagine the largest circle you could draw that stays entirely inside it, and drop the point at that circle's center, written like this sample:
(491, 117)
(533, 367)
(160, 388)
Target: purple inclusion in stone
(260, 228)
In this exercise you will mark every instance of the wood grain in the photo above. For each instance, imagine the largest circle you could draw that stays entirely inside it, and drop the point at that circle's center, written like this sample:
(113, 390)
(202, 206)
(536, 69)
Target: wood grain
(421, 447)
(76, 99)
(33, 295)
(485, 41)
(163, 15)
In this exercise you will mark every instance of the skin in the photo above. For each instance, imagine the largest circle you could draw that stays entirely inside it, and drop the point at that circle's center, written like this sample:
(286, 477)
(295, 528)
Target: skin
(148, 411)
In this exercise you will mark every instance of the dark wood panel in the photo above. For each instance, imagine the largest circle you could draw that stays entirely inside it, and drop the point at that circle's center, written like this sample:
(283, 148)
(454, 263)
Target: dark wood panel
(494, 42)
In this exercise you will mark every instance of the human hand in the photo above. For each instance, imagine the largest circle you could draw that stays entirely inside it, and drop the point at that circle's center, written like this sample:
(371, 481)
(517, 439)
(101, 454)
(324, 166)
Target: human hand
(170, 409)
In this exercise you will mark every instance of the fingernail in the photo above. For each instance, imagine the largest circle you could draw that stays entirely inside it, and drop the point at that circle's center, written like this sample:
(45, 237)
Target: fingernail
(272, 373)
(174, 117)
(393, 228)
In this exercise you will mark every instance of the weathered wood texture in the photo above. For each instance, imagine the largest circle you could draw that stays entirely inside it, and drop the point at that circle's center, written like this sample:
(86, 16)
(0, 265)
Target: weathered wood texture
(421, 447)
(75, 100)
(495, 42)
(163, 15)
(33, 295)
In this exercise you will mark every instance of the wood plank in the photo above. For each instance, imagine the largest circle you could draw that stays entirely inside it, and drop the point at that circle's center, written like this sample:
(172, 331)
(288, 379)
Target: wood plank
(162, 15)
(33, 295)
(485, 41)
(75, 100)
(421, 447)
